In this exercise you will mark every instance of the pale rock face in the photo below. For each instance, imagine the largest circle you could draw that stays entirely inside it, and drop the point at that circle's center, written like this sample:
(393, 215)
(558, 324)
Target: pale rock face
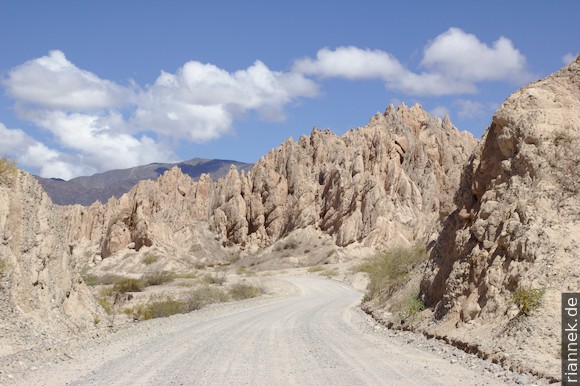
(41, 292)
(518, 220)
(387, 183)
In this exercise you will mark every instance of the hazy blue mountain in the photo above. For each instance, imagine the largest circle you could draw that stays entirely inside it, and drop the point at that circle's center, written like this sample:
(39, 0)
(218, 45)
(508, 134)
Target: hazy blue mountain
(102, 186)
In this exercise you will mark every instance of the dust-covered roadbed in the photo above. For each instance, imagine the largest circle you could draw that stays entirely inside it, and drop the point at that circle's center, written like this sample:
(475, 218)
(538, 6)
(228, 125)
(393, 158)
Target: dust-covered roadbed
(313, 335)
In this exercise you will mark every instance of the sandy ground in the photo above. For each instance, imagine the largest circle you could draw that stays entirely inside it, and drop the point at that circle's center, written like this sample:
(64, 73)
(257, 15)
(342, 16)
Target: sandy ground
(313, 336)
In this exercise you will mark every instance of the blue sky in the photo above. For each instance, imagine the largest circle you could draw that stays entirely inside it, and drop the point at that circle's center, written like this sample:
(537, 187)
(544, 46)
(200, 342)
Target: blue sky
(92, 86)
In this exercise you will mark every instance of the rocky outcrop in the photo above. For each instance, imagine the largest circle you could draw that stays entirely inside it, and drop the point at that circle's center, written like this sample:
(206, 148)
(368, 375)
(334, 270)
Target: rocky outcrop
(517, 225)
(389, 182)
(41, 293)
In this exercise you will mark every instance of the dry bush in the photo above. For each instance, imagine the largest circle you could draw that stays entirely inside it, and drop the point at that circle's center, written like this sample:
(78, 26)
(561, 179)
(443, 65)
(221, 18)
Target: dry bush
(218, 278)
(149, 259)
(128, 285)
(204, 295)
(241, 291)
(7, 169)
(389, 271)
(527, 299)
(157, 278)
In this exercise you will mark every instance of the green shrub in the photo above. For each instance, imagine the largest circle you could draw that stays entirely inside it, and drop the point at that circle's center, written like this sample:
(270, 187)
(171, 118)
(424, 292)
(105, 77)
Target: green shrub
(128, 285)
(157, 278)
(204, 295)
(409, 308)
(241, 291)
(315, 268)
(241, 270)
(527, 299)
(389, 271)
(149, 259)
(199, 265)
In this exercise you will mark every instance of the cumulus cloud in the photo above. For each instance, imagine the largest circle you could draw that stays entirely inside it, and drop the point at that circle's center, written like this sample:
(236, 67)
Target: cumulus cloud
(28, 152)
(472, 109)
(200, 101)
(569, 58)
(53, 81)
(351, 63)
(100, 125)
(462, 56)
(99, 143)
(440, 111)
(453, 63)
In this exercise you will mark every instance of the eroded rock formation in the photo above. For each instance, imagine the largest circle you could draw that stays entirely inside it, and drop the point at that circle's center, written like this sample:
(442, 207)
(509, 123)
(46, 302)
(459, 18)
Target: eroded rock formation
(386, 183)
(41, 292)
(517, 225)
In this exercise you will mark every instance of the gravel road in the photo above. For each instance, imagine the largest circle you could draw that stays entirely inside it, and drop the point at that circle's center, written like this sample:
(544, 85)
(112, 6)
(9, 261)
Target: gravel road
(314, 337)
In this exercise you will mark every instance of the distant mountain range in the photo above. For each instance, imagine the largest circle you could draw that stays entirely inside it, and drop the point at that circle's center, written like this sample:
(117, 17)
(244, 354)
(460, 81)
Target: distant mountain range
(114, 183)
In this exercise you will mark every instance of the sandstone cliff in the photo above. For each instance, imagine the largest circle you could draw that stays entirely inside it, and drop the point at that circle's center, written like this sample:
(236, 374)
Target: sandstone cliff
(389, 182)
(517, 225)
(41, 293)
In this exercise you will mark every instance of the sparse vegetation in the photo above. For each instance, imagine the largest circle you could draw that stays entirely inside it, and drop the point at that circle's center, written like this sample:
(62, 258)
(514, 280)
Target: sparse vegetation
(106, 279)
(234, 258)
(199, 265)
(315, 268)
(241, 270)
(528, 299)
(242, 291)
(149, 259)
(157, 278)
(185, 275)
(329, 273)
(289, 244)
(218, 278)
(204, 295)
(389, 270)
(105, 303)
(4, 265)
(157, 309)
(128, 285)
(7, 168)
(409, 309)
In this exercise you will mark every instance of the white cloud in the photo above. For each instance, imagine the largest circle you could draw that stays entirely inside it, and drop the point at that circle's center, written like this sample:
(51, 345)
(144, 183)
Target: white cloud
(27, 151)
(461, 56)
(200, 101)
(471, 109)
(440, 111)
(54, 82)
(351, 63)
(99, 144)
(569, 58)
(454, 63)
(102, 125)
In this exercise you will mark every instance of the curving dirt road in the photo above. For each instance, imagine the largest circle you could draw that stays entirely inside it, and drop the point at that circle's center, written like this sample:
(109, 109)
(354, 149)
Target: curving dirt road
(314, 338)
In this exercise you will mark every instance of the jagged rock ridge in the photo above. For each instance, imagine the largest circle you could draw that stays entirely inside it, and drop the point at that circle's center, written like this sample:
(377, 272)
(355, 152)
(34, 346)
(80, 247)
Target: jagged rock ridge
(517, 225)
(42, 295)
(114, 183)
(388, 182)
